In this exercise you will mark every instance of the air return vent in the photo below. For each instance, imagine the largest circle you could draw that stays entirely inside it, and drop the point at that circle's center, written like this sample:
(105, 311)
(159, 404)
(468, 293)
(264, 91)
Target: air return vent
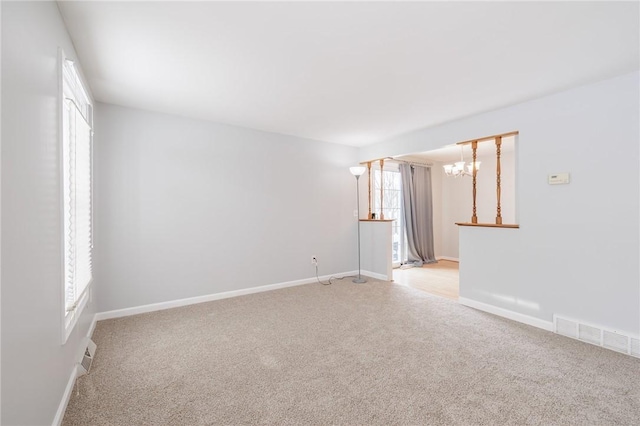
(600, 336)
(589, 334)
(87, 358)
(614, 341)
(566, 327)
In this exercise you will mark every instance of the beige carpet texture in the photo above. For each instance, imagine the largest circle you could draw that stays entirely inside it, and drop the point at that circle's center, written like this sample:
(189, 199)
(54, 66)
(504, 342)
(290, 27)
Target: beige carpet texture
(347, 354)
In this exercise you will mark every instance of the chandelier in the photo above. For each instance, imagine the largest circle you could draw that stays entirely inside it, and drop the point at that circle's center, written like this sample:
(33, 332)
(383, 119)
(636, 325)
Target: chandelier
(460, 168)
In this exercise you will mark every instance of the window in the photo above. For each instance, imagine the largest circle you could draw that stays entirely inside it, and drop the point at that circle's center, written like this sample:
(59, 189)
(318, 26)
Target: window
(76, 135)
(392, 199)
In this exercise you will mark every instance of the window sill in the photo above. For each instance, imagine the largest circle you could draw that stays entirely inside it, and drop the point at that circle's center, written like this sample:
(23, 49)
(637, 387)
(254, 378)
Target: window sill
(71, 319)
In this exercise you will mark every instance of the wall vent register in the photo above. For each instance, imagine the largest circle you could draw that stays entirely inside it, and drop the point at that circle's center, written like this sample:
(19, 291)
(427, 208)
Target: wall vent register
(599, 336)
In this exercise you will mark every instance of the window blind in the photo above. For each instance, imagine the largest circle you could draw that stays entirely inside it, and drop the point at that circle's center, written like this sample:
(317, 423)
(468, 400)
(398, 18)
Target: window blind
(77, 197)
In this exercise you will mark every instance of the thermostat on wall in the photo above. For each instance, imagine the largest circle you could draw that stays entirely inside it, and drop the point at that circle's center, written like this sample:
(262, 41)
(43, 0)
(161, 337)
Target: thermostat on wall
(559, 179)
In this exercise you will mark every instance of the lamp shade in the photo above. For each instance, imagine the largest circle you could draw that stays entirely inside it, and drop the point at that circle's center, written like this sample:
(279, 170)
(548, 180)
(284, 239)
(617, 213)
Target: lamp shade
(357, 170)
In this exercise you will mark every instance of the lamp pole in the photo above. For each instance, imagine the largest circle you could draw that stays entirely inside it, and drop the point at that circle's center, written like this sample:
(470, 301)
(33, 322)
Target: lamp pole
(357, 172)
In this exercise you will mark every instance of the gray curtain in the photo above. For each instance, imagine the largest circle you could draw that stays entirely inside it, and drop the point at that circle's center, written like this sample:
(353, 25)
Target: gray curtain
(418, 213)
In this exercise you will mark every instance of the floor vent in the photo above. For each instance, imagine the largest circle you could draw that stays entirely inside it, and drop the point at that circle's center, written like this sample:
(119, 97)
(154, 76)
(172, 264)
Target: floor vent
(610, 339)
(566, 327)
(589, 334)
(614, 341)
(87, 358)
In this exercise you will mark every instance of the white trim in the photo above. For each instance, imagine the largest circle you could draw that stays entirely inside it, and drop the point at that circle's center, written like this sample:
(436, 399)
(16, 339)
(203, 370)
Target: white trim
(375, 275)
(72, 317)
(453, 259)
(63, 307)
(62, 408)
(57, 420)
(92, 327)
(1, 206)
(506, 313)
(118, 313)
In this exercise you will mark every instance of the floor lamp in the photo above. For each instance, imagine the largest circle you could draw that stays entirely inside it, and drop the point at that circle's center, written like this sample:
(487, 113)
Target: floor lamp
(357, 171)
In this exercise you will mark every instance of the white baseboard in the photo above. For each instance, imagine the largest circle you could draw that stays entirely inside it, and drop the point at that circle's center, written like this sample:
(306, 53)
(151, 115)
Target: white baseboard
(453, 259)
(506, 313)
(118, 313)
(92, 326)
(373, 275)
(57, 420)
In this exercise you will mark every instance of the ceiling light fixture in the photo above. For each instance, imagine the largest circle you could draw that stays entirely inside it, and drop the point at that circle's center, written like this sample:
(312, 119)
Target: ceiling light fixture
(459, 168)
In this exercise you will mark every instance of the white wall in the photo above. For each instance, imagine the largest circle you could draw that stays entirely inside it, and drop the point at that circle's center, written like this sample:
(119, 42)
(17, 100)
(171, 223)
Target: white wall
(577, 250)
(0, 214)
(187, 208)
(456, 207)
(35, 366)
(376, 253)
(457, 201)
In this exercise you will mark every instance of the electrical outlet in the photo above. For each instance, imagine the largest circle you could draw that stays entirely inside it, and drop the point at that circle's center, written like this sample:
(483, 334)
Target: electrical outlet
(355, 213)
(314, 260)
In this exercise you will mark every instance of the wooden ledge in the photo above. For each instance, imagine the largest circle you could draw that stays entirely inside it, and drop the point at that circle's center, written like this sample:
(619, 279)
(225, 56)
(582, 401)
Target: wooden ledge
(489, 138)
(486, 225)
(377, 220)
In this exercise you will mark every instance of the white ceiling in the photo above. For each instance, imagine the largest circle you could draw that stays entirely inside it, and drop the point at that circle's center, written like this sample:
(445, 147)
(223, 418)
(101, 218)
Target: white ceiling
(352, 72)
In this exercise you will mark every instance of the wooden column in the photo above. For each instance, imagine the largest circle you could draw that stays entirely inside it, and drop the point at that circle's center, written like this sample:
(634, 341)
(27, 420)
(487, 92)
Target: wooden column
(498, 213)
(369, 184)
(474, 147)
(381, 189)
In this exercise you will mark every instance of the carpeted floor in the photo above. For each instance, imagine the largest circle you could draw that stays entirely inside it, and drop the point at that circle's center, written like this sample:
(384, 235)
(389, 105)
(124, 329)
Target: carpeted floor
(367, 354)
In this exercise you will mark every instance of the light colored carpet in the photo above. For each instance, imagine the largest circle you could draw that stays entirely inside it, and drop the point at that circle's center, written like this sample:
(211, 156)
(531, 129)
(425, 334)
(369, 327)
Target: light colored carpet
(374, 353)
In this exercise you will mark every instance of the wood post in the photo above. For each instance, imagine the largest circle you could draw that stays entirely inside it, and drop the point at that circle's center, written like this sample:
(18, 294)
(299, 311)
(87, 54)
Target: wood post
(498, 213)
(474, 147)
(474, 144)
(381, 189)
(369, 185)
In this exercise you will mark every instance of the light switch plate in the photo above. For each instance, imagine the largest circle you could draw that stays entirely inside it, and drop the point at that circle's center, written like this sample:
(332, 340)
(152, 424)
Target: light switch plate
(559, 179)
